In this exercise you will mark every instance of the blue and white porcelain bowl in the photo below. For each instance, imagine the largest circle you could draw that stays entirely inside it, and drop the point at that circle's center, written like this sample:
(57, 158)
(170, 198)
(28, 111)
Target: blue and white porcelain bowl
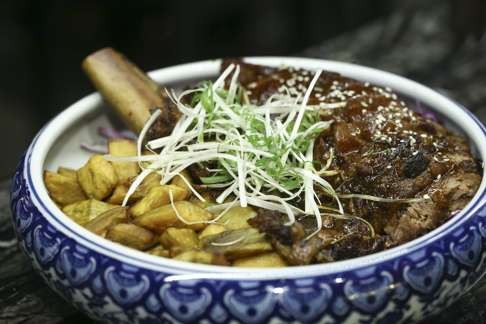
(116, 284)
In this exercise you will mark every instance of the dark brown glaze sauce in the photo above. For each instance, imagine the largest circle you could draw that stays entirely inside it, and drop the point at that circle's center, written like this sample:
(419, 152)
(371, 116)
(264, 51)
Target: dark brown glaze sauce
(381, 148)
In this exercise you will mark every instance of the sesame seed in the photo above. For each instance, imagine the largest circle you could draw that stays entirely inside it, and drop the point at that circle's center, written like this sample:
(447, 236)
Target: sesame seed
(290, 82)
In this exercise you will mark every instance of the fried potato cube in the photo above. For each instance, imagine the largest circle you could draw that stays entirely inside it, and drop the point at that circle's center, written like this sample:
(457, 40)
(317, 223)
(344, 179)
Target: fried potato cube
(124, 170)
(180, 238)
(150, 181)
(209, 200)
(63, 189)
(237, 244)
(118, 194)
(100, 224)
(237, 217)
(120, 191)
(159, 250)
(84, 211)
(68, 172)
(212, 229)
(195, 256)
(97, 177)
(132, 236)
(157, 197)
(163, 217)
(248, 250)
(179, 181)
(267, 260)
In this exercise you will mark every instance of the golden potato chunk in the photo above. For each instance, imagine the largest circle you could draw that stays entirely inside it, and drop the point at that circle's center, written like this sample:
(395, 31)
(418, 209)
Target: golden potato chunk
(97, 177)
(267, 260)
(248, 250)
(124, 170)
(183, 238)
(68, 172)
(157, 197)
(63, 189)
(118, 195)
(150, 181)
(237, 217)
(195, 256)
(132, 236)
(237, 244)
(178, 181)
(159, 250)
(212, 229)
(84, 211)
(160, 218)
(100, 224)
(209, 200)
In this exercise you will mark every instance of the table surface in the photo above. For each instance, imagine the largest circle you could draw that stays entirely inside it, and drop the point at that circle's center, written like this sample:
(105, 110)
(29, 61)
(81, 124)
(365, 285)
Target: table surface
(385, 44)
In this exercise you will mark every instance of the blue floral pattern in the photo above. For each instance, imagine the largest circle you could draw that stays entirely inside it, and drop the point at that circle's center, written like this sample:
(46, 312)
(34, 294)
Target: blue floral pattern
(405, 288)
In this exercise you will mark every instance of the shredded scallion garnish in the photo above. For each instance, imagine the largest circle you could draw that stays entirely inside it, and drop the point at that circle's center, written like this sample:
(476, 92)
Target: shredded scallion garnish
(259, 155)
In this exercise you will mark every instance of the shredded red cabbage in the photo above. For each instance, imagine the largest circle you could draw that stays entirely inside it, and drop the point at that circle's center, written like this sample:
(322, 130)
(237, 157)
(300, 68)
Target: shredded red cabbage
(426, 113)
(107, 133)
(111, 133)
(95, 148)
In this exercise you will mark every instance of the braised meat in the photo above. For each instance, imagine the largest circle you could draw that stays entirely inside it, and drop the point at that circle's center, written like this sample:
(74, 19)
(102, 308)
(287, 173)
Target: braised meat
(381, 148)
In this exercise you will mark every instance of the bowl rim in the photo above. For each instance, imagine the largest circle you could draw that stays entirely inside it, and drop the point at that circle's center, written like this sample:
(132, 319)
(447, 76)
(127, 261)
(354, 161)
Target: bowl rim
(48, 135)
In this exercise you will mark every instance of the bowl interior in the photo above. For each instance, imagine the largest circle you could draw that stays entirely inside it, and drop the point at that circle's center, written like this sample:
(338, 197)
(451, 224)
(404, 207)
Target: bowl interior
(58, 144)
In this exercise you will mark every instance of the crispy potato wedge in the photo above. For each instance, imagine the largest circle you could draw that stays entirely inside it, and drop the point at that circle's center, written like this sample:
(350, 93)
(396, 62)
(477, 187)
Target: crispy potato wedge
(159, 219)
(100, 224)
(84, 211)
(237, 244)
(157, 197)
(267, 260)
(118, 195)
(63, 189)
(124, 170)
(159, 250)
(196, 256)
(132, 236)
(248, 250)
(183, 238)
(203, 204)
(237, 217)
(150, 181)
(178, 181)
(68, 172)
(97, 177)
(212, 229)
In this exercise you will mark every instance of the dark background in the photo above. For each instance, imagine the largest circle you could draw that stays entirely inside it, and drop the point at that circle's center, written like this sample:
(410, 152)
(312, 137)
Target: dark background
(43, 42)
